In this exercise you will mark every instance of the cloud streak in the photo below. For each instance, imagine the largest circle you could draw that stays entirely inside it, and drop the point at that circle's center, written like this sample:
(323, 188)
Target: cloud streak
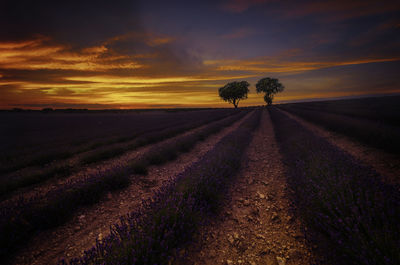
(272, 65)
(143, 54)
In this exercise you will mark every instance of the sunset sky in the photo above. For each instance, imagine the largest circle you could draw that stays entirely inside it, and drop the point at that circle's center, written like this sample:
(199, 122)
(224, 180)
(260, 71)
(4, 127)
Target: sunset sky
(156, 54)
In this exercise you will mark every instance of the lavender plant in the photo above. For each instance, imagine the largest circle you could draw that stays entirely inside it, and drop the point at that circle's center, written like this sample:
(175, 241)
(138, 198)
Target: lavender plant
(36, 139)
(61, 169)
(153, 233)
(384, 110)
(352, 215)
(372, 133)
(19, 220)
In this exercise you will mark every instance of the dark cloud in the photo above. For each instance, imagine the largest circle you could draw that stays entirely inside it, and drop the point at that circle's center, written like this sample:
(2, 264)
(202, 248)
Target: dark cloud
(44, 76)
(72, 21)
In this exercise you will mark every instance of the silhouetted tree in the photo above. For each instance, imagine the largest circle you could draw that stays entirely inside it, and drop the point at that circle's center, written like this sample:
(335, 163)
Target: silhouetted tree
(269, 86)
(46, 110)
(233, 92)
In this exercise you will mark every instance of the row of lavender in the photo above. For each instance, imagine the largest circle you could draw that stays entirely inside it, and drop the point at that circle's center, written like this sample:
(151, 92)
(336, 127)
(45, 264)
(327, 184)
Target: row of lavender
(21, 219)
(38, 139)
(372, 133)
(161, 227)
(64, 168)
(349, 212)
(378, 109)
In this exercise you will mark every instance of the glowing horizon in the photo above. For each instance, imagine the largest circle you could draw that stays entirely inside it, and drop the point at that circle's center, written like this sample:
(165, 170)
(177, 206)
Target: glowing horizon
(144, 60)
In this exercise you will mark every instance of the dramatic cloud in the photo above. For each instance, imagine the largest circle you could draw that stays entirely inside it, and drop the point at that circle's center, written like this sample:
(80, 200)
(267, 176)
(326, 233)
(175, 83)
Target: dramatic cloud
(271, 65)
(125, 54)
(37, 54)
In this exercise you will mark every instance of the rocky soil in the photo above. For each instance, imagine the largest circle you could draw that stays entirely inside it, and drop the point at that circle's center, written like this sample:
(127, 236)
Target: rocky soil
(257, 225)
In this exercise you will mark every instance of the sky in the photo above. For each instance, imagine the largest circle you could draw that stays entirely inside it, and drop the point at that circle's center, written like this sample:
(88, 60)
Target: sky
(167, 54)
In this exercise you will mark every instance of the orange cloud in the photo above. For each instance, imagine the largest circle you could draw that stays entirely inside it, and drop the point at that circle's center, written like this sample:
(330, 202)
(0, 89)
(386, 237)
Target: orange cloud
(156, 41)
(154, 76)
(271, 65)
(95, 50)
(153, 80)
(37, 54)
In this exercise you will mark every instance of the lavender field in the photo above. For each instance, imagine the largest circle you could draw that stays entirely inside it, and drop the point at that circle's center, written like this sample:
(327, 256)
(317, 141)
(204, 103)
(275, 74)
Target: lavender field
(372, 121)
(144, 188)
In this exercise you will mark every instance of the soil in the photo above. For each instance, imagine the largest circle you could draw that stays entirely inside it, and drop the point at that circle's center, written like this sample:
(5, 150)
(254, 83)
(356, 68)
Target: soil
(256, 225)
(387, 165)
(89, 224)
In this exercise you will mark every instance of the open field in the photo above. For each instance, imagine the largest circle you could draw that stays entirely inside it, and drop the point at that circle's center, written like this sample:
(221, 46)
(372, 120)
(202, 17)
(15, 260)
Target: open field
(373, 121)
(247, 186)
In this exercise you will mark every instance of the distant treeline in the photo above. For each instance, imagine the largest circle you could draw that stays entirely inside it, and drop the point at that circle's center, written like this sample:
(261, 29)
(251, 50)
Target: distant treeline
(71, 110)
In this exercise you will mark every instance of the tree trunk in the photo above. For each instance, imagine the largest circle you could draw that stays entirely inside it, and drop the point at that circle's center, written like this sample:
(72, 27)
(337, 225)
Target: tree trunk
(235, 103)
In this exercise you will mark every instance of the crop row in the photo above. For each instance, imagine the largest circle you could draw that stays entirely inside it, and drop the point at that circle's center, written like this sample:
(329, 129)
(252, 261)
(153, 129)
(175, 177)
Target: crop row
(65, 168)
(349, 212)
(80, 137)
(20, 219)
(153, 233)
(378, 109)
(371, 133)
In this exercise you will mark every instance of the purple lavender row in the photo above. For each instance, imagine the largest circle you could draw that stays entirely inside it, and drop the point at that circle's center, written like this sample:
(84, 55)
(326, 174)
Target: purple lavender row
(351, 215)
(27, 178)
(384, 110)
(59, 136)
(20, 219)
(163, 224)
(372, 133)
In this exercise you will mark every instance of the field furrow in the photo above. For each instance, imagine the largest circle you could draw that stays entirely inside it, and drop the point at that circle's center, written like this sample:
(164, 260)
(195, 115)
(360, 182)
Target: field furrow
(350, 214)
(160, 227)
(386, 164)
(378, 109)
(373, 133)
(90, 223)
(292, 184)
(81, 156)
(256, 224)
(38, 139)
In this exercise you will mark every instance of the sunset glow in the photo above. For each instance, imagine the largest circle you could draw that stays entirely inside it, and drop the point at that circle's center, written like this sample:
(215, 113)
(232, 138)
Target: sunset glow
(150, 54)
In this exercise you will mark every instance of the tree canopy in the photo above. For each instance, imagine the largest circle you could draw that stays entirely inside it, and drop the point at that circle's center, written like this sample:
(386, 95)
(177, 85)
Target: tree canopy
(269, 86)
(235, 91)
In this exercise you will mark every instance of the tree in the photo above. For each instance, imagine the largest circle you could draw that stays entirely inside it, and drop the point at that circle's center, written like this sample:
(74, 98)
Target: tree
(233, 92)
(269, 86)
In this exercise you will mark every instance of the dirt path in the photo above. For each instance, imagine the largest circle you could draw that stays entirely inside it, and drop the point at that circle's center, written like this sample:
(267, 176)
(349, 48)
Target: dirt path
(387, 165)
(256, 226)
(71, 239)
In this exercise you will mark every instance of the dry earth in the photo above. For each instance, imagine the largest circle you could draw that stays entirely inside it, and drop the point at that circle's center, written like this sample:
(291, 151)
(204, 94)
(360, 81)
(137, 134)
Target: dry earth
(89, 224)
(256, 225)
